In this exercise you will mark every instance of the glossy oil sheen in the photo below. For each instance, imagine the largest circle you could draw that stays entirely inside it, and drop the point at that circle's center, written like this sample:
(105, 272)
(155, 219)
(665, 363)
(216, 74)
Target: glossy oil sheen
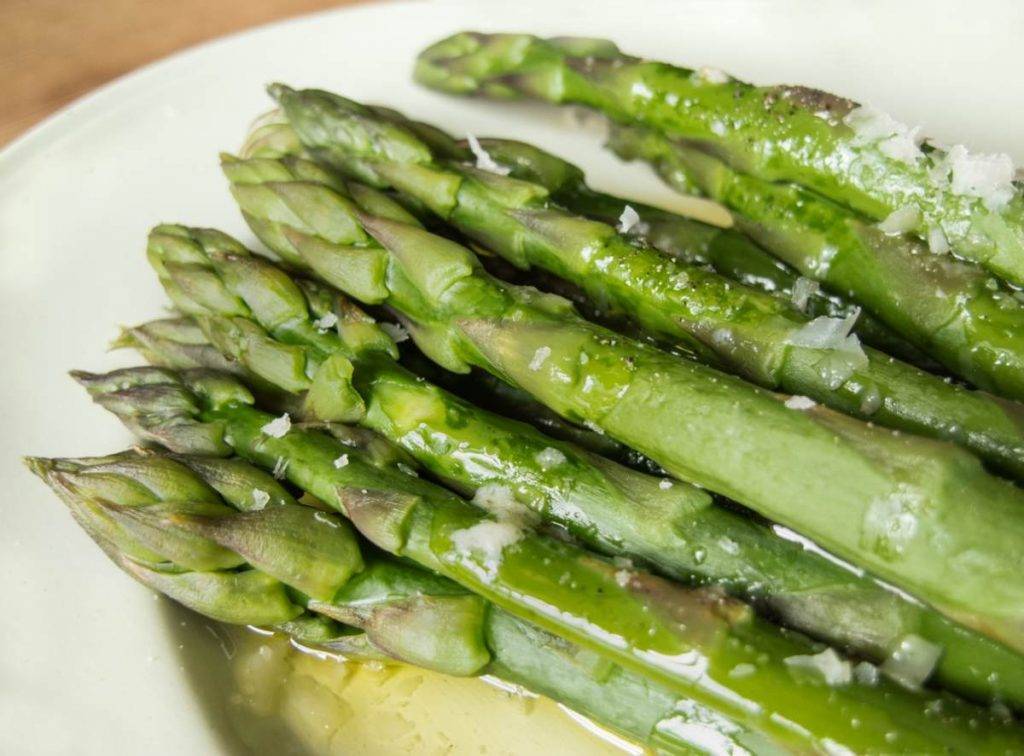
(263, 695)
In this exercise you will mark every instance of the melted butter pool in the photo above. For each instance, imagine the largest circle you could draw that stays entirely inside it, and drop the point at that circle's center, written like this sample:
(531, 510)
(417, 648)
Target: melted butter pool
(262, 695)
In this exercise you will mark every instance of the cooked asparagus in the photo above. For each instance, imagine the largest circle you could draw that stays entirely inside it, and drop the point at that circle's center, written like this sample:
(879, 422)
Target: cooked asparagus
(667, 524)
(227, 540)
(733, 327)
(691, 640)
(854, 155)
(895, 502)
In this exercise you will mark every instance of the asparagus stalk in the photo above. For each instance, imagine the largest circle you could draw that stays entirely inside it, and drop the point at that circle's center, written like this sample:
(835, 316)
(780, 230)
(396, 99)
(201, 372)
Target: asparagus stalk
(733, 327)
(693, 641)
(729, 252)
(953, 310)
(855, 156)
(895, 502)
(671, 526)
(225, 539)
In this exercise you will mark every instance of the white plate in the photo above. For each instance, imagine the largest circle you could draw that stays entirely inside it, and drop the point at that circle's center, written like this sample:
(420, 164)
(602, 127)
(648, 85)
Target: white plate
(86, 664)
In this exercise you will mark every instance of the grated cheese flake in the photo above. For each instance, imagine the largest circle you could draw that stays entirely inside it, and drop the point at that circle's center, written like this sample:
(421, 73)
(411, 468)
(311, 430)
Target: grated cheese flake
(828, 664)
(486, 540)
(893, 139)
(260, 498)
(539, 357)
(803, 290)
(627, 220)
(483, 159)
(937, 242)
(912, 661)
(396, 331)
(988, 177)
(326, 323)
(712, 75)
(341, 462)
(278, 427)
(900, 221)
(550, 457)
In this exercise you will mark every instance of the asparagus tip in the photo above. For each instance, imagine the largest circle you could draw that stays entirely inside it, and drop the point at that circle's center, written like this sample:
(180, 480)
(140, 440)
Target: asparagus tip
(277, 90)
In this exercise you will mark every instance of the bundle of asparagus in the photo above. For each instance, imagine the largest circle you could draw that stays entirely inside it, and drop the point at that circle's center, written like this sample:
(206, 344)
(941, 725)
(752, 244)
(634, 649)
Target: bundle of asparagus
(226, 540)
(310, 479)
(805, 173)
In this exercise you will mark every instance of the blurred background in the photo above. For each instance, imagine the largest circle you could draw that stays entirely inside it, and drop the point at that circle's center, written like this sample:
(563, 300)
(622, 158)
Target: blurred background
(57, 50)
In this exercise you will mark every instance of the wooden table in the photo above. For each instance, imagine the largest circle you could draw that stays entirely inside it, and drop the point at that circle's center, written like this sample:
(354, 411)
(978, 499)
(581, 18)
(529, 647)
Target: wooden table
(57, 50)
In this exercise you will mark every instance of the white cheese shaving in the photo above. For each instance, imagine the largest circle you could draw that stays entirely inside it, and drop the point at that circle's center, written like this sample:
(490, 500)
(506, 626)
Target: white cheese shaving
(396, 331)
(664, 484)
(627, 220)
(483, 160)
(712, 75)
(803, 289)
(325, 323)
(894, 139)
(539, 356)
(340, 462)
(501, 502)
(865, 673)
(278, 427)
(912, 661)
(828, 664)
(900, 221)
(800, 403)
(718, 128)
(260, 498)
(550, 457)
(486, 540)
(622, 577)
(846, 355)
(890, 522)
(988, 177)
(937, 242)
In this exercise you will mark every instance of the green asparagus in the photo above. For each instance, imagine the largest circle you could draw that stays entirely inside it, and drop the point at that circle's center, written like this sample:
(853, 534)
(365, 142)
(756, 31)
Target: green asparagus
(729, 252)
(695, 641)
(897, 502)
(732, 327)
(673, 527)
(953, 310)
(225, 539)
(853, 155)
(666, 524)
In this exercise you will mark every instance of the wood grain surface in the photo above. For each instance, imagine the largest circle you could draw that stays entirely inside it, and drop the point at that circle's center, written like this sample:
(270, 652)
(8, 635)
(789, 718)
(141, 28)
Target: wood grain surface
(57, 50)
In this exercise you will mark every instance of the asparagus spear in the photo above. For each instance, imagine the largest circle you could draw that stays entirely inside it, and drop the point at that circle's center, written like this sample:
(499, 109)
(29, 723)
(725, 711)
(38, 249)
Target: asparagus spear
(219, 536)
(895, 502)
(227, 540)
(854, 155)
(729, 252)
(733, 327)
(960, 315)
(667, 524)
(695, 641)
